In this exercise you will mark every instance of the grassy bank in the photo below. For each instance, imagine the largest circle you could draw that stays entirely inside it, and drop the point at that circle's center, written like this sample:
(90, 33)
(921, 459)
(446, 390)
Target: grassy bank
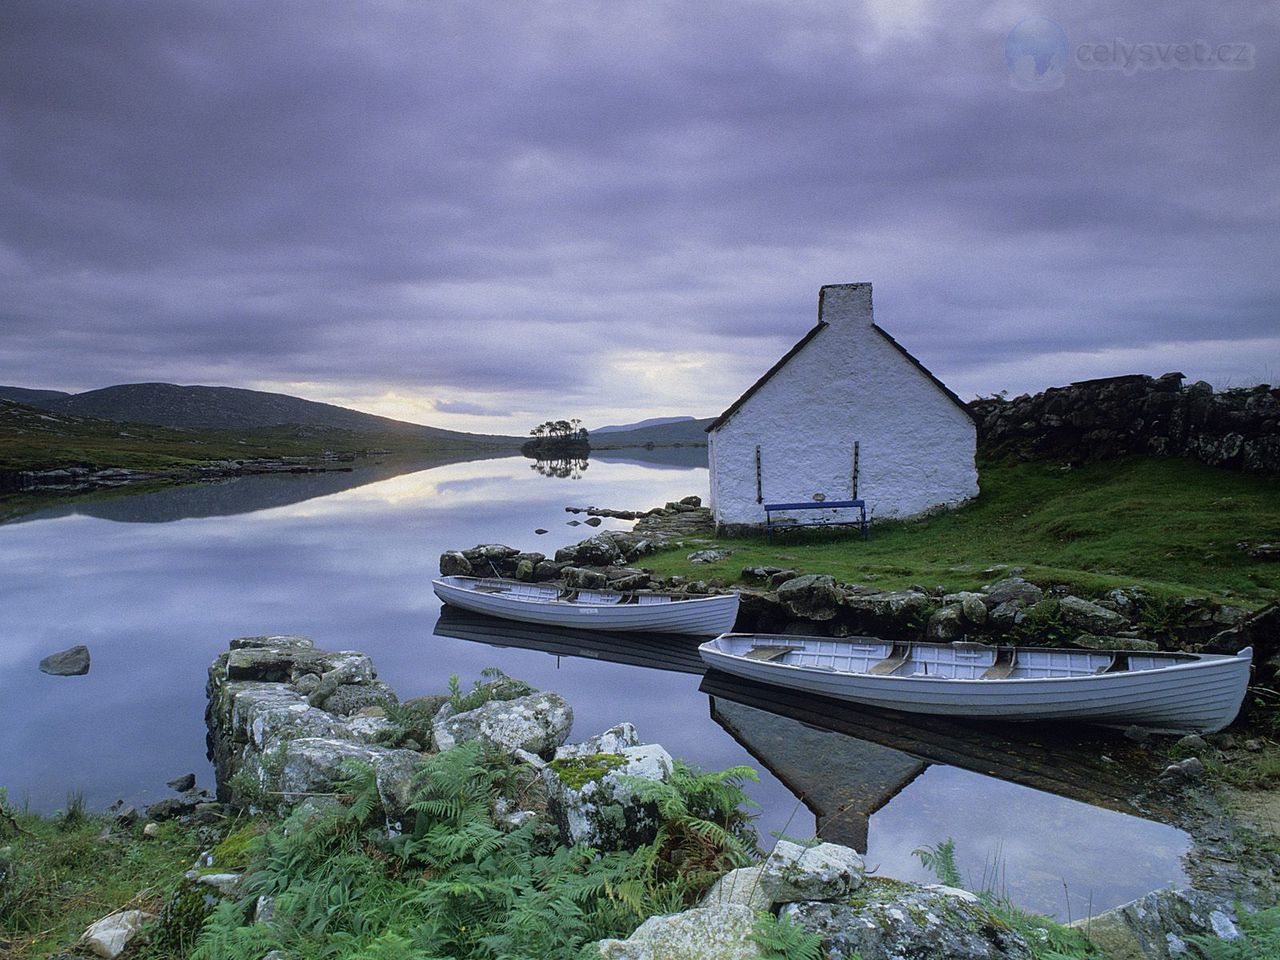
(33, 440)
(62, 873)
(1171, 526)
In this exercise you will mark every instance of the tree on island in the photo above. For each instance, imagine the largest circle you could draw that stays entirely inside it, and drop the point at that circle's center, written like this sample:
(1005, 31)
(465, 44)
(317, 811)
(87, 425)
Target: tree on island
(560, 431)
(558, 440)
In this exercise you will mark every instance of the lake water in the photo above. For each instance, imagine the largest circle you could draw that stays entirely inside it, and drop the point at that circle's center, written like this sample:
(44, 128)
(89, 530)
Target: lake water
(156, 584)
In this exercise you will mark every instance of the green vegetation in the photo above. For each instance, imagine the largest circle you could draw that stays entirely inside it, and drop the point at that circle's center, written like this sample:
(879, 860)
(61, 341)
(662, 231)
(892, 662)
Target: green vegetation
(780, 939)
(1260, 940)
(460, 884)
(67, 871)
(31, 439)
(1047, 939)
(1169, 526)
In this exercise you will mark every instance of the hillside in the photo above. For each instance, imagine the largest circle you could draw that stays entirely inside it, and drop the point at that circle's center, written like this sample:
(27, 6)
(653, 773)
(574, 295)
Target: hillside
(35, 398)
(681, 432)
(226, 408)
(42, 439)
(651, 422)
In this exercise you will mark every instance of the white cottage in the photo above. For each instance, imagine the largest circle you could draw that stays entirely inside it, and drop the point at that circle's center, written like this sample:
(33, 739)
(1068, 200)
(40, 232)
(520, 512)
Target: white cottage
(847, 414)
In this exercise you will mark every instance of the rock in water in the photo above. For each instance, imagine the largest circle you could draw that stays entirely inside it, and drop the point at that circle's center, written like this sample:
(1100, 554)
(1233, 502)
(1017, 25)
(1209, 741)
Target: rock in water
(68, 663)
(183, 783)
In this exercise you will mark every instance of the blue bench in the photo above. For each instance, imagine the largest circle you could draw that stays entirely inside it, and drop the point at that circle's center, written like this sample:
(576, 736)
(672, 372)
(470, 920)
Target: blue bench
(857, 515)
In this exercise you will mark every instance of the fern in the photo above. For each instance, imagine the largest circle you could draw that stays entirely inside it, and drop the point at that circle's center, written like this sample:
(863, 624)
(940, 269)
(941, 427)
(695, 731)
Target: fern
(1261, 938)
(941, 860)
(780, 939)
(458, 884)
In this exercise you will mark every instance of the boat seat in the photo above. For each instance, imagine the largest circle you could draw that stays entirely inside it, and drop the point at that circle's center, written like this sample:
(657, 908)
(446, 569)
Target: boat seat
(488, 588)
(769, 653)
(899, 655)
(1002, 667)
(1119, 664)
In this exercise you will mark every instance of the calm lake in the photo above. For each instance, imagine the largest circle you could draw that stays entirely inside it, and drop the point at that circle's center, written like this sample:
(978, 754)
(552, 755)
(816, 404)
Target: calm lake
(156, 584)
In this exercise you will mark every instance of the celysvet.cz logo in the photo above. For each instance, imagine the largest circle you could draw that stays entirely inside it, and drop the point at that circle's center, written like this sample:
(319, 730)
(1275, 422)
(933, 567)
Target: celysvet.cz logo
(1038, 54)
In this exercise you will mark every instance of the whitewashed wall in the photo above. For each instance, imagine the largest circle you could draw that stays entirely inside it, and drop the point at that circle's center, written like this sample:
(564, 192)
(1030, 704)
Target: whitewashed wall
(916, 446)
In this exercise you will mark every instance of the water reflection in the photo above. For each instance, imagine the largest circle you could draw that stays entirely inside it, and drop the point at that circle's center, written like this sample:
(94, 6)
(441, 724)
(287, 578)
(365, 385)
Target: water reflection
(1037, 808)
(350, 564)
(565, 468)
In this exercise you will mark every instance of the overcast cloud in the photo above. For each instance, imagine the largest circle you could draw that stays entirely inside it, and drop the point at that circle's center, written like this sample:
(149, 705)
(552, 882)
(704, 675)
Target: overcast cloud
(481, 215)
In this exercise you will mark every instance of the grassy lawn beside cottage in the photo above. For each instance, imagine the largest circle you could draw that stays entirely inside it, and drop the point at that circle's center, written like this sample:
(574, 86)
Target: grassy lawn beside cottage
(1173, 527)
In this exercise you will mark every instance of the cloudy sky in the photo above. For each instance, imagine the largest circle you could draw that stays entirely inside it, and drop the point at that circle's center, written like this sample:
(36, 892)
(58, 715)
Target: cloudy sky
(479, 215)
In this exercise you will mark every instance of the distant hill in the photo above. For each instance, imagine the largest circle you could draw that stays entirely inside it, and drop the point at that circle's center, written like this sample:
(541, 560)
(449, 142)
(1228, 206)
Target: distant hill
(652, 422)
(681, 432)
(226, 408)
(31, 397)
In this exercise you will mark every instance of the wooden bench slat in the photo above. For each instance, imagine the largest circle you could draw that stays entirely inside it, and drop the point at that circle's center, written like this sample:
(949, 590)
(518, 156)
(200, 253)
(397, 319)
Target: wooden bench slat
(899, 655)
(1006, 660)
(769, 653)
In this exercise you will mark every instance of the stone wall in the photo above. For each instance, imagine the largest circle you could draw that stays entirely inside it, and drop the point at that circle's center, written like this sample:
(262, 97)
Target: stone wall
(1137, 416)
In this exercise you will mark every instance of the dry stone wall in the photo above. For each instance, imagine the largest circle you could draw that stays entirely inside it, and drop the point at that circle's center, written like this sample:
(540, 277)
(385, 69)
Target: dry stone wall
(1137, 416)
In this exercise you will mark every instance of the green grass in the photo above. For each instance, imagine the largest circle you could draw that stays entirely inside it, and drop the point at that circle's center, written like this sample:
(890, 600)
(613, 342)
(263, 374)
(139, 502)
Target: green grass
(1170, 526)
(66, 874)
(31, 439)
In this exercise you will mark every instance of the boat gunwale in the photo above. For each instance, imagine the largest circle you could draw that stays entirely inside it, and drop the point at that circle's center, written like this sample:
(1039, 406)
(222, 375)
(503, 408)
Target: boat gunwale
(1191, 661)
(675, 598)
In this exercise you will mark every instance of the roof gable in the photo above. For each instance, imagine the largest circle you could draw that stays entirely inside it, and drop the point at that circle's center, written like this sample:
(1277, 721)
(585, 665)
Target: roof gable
(734, 407)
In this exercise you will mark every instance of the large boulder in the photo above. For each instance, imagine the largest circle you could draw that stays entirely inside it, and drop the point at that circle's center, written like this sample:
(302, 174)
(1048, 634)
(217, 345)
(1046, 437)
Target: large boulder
(536, 723)
(598, 551)
(825, 871)
(614, 740)
(594, 799)
(813, 596)
(112, 934)
(317, 765)
(454, 564)
(73, 662)
(1089, 617)
(897, 615)
(946, 624)
(890, 920)
(1012, 588)
(706, 933)
(1155, 927)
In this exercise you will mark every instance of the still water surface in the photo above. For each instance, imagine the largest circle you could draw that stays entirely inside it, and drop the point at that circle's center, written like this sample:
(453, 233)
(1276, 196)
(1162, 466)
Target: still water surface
(156, 584)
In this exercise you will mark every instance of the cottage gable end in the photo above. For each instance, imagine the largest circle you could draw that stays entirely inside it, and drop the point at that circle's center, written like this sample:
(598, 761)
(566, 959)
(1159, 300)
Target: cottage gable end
(854, 416)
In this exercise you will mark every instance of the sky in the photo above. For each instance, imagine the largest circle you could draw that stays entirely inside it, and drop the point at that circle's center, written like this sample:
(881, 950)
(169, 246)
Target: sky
(481, 215)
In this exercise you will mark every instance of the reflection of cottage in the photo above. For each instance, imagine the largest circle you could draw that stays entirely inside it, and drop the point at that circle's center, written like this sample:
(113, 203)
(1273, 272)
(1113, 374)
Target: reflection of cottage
(847, 414)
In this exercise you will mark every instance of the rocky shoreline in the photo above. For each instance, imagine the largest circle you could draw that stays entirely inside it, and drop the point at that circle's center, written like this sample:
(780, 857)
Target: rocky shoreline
(76, 479)
(286, 719)
(1007, 609)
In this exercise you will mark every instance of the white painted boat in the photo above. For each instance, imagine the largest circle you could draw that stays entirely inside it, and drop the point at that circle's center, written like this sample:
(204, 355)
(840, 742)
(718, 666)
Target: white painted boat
(590, 609)
(1182, 692)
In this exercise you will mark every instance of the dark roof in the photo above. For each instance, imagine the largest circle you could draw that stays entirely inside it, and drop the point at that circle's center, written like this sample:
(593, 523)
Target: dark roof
(734, 407)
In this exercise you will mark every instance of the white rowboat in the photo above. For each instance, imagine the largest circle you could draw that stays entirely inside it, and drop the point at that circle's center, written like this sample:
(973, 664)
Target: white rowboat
(1191, 692)
(590, 609)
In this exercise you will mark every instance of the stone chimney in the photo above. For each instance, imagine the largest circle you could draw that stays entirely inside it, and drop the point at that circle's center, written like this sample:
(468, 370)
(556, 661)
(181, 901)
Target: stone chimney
(845, 304)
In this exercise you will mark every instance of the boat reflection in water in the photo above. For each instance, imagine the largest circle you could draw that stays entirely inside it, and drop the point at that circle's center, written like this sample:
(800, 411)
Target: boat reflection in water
(986, 784)
(656, 651)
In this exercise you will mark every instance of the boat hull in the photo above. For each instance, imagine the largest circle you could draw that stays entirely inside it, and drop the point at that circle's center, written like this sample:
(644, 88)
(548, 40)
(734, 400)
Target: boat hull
(695, 616)
(1197, 694)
